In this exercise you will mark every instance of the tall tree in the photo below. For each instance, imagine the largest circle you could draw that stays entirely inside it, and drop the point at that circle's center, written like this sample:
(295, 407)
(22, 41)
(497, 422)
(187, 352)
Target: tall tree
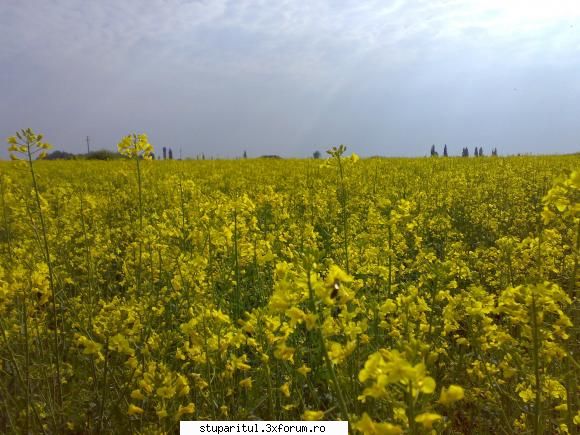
(164, 153)
(480, 151)
(476, 152)
(170, 154)
(445, 151)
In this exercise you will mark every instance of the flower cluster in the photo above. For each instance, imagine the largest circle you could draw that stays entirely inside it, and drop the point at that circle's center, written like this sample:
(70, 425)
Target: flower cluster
(405, 295)
(136, 146)
(26, 144)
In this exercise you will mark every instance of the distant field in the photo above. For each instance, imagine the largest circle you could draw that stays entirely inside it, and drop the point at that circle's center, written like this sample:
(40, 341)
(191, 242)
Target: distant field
(401, 294)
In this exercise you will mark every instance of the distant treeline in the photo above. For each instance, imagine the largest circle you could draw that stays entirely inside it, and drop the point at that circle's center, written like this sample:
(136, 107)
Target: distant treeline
(478, 152)
(93, 155)
(112, 155)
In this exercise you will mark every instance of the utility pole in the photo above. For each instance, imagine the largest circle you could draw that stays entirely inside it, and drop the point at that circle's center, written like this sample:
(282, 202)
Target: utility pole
(88, 145)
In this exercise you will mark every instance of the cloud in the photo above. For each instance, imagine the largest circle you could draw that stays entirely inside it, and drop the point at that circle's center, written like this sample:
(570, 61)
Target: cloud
(289, 72)
(260, 35)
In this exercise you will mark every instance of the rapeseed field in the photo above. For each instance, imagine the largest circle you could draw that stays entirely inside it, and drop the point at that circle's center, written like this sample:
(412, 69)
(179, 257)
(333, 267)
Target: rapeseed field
(432, 295)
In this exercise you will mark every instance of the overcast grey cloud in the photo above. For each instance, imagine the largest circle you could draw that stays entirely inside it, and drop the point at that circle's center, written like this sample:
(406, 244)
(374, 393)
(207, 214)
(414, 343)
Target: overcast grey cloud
(289, 77)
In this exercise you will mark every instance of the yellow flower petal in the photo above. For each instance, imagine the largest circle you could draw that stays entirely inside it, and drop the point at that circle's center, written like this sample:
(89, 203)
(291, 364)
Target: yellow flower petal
(133, 409)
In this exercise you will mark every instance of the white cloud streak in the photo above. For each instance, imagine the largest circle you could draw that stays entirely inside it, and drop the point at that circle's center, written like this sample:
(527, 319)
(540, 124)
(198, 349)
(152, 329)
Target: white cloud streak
(307, 34)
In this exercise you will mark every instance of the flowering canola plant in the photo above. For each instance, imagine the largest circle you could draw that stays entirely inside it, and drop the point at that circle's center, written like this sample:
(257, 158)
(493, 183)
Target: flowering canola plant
(406, 296)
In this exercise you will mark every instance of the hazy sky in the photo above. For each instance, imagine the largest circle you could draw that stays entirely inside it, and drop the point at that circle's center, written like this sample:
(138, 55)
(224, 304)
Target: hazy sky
(287, 77)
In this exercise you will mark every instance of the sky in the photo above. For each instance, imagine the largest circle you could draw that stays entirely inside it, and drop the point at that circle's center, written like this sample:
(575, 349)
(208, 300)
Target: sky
(220, 77)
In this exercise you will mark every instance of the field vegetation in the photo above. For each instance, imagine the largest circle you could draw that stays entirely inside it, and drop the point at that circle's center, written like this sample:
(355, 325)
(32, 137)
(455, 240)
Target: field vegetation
(405, 295)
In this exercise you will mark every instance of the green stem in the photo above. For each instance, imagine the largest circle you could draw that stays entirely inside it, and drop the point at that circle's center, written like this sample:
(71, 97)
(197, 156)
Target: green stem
(58, 389)
(343, 213)
(7, 396)
(411, 410)
(26, 362)
(237, 298)
(104, 392)
(329, 366)
(138, 284)
(19, 376)
(535, 350)
(89, 264)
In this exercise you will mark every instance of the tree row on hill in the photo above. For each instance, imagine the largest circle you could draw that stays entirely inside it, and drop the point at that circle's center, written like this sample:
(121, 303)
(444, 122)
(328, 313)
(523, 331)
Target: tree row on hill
(478, 152)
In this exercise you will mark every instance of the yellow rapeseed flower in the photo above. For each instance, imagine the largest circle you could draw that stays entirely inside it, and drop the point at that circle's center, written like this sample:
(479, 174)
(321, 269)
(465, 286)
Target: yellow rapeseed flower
(284, 352)
(369, 427)
(246, 383)
(451, 395)
(90, 347)
(285, 389)
(427, 419)
(134, 409)
(189, 409)
(166, 392)
(312, 415)
(137, 395)
(135, 146)
(304, 370)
